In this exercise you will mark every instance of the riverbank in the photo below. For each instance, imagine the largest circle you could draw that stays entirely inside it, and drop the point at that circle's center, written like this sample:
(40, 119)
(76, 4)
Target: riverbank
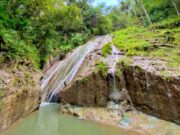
(131, 120)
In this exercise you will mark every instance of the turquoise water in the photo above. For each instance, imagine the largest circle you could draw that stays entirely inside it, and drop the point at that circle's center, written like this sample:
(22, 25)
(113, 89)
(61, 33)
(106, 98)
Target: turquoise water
(48, 121)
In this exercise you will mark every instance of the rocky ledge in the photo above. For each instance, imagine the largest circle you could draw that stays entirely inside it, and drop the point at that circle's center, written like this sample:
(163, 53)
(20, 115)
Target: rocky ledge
(154, 88)
(132, 120)
(19, 93)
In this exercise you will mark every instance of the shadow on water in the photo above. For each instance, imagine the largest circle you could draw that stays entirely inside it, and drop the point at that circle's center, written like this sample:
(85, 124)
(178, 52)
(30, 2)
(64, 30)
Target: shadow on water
(48, 121)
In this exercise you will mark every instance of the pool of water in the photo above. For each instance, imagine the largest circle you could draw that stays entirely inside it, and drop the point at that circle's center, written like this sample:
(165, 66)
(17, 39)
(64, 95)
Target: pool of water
(48, 121)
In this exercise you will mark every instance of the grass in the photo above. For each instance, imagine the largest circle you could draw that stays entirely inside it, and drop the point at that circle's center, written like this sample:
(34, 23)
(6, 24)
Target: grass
(1, 98)
(153, 42)
(118, 72)
(132, 41)
(1, 104)
(169, 23)
(85, 79)
(106, 50)
(16, 81)
(101, 67)
(124, 61)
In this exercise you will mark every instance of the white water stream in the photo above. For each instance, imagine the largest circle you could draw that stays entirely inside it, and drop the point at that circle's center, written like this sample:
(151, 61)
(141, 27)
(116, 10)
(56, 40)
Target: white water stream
(60, 75)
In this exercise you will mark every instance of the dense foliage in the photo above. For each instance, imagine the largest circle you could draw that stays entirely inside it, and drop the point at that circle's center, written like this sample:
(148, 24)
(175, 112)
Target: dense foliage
(33, 30)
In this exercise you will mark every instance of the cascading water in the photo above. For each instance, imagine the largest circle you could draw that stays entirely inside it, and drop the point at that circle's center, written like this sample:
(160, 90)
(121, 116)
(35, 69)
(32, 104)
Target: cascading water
(115, 94)
(59, 76)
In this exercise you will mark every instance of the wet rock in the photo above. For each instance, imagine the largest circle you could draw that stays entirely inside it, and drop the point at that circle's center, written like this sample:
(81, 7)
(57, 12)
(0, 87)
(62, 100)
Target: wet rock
(113, 106)
(116, 97)
(125, 122)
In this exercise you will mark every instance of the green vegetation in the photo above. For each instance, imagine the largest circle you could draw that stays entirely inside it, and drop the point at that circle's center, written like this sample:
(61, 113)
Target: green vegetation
(168, 23)
(2, 93)
(1, 104)
(161, 43)
(24, 91)
(85, 79)
(101, 67)
(124, 61)
(118, 72)
(34, 30)
(16, 81)
(132, 40)
(31, 31)
(106, 49)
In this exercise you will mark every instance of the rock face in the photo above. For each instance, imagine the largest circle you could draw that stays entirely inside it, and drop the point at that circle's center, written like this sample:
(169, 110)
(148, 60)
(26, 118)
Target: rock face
(147, 84)
(19, 94)
(152, 92)
(89, 88)
(90, 92)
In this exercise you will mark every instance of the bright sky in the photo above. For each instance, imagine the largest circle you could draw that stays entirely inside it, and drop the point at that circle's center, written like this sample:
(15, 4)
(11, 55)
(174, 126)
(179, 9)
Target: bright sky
(108, 2)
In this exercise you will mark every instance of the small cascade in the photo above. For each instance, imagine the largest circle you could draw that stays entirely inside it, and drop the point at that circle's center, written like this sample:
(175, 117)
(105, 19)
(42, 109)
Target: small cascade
(60, 75)
(117, 97)
(115, 94)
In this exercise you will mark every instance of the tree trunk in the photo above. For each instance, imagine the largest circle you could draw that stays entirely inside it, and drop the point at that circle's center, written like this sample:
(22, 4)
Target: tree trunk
(142, 17)
(174, 4)
(144, 9)
(133, 13)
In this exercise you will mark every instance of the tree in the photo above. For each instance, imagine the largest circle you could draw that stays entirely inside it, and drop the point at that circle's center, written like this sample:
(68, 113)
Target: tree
(174, 4)
(70, 18)
(138, 7)
(145, 11)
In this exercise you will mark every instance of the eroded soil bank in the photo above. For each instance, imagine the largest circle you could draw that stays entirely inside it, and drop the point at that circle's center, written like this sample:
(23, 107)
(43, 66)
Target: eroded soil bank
(19, 93)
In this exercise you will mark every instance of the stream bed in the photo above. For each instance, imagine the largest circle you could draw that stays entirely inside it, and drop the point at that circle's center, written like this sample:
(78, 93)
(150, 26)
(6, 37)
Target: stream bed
(48, 121)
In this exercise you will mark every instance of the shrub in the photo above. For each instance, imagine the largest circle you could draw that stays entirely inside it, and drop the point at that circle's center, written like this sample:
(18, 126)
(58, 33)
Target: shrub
(102, 67)
(16, 48)
(106, 49)
(168, 23)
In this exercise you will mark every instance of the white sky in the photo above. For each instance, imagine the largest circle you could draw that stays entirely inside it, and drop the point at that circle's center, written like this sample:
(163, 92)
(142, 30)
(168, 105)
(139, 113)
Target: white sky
(108, 2)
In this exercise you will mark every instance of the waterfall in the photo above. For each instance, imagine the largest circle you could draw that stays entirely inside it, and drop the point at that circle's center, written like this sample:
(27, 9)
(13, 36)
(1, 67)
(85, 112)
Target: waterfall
(115, 94)
(60, 75)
